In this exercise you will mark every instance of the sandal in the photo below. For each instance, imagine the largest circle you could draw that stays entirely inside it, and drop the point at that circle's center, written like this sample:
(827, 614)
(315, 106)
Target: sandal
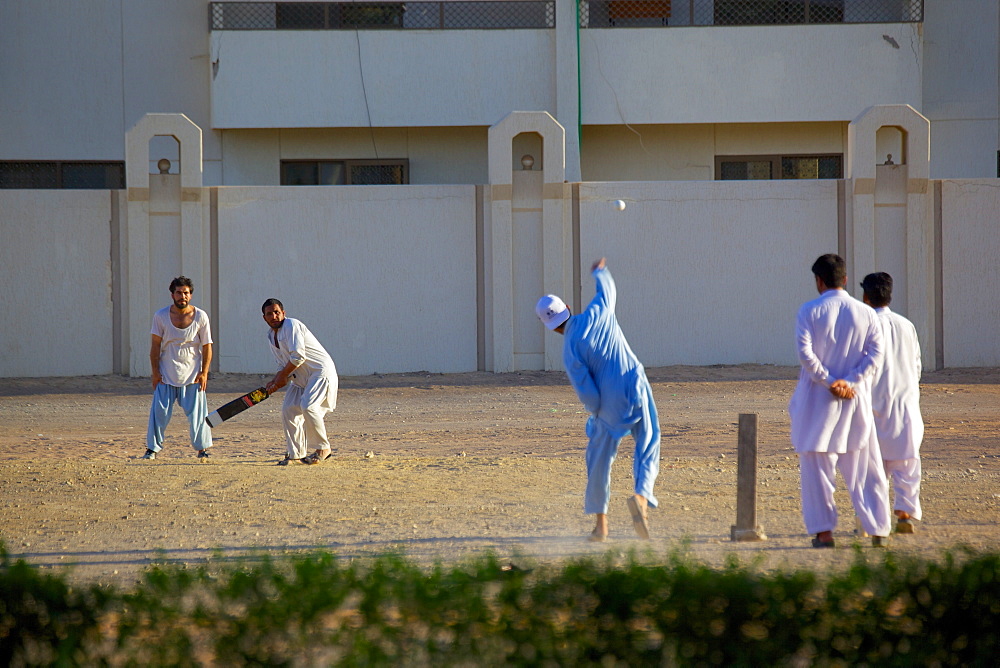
(317, 457)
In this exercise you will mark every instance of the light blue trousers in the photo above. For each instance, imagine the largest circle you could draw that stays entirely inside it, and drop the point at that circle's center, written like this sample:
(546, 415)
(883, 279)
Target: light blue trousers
(192, 400)
(603, 448)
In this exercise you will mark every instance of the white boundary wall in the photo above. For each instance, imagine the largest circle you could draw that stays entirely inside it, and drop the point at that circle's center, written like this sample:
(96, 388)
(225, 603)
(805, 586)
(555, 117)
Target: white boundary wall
(970, 241)
(385, 277)
(55, 282)
(707, 272)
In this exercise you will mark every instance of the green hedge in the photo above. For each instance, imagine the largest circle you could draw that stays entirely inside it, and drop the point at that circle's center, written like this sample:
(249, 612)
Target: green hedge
(318, 610)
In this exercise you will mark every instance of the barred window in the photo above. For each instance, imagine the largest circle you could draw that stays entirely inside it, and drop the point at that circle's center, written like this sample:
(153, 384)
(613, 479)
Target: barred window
(344, 172)
(755, 167)
(38, 174)
(451, 15)
(659, 13)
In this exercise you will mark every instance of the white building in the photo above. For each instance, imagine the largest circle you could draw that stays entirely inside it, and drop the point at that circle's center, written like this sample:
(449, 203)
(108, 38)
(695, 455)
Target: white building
(648, 90)
(143, 139)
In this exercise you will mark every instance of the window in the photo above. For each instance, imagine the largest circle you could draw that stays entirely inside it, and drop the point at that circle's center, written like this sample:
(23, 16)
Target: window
(326, 15)
(354, 15)
(344, 172)
(752, 167)
(35, 174)
(767, 12)
(648, 13)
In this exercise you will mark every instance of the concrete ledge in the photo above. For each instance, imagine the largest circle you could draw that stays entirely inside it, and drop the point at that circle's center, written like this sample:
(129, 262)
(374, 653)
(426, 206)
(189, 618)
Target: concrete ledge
(747, 535)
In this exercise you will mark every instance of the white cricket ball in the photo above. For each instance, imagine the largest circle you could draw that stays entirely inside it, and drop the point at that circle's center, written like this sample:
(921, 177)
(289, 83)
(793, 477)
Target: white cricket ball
(620, 204)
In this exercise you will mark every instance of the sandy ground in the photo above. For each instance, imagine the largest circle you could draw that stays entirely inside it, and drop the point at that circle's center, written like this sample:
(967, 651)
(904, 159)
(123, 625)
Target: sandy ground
(444, 467)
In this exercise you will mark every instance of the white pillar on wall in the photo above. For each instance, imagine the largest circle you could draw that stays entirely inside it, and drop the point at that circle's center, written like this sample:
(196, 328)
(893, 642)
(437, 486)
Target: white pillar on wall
(919, 302)
(557, 243)
(143, 292)
(567, 83)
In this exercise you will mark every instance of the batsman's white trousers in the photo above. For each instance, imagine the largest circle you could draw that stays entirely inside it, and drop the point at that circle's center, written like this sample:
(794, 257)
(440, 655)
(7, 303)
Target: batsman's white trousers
(905, 476)
(302, 414)
(603, 448)
(195, 405)
(865, 480)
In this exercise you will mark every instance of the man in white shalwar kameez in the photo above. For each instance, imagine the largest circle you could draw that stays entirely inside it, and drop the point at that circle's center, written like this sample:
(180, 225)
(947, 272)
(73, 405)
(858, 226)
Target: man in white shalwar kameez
(311, 376)
(839, 343)
(896, 401)
(612, 385)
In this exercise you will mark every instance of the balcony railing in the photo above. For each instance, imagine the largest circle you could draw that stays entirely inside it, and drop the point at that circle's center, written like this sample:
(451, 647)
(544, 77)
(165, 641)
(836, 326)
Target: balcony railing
(499, 15)
(541, 14)
(658, 13)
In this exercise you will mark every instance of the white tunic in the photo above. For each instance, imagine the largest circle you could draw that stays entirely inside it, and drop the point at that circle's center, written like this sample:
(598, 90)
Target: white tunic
(181, 349)
(838, 338)
(896, 389)
(296, 344)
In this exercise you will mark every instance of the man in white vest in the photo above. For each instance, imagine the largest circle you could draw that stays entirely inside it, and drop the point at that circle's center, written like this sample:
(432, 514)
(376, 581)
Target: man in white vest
(896, 401)
(180, 354)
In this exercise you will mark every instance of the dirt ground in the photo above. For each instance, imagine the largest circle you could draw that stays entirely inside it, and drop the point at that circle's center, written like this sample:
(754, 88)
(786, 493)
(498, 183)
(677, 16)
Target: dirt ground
(444, 467)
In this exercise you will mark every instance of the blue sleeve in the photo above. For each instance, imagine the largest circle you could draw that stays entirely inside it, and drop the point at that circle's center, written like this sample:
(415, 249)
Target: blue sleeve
(582, 382)
(607, 293)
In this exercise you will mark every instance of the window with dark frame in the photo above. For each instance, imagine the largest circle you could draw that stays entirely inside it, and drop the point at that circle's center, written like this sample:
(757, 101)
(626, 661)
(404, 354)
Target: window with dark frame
(766, 167)
(344, 172)
(61, 174)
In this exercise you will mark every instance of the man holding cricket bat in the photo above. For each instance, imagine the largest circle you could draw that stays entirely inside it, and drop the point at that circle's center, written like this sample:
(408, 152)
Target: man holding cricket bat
(311, 376)
(612, 385)
(179, 357)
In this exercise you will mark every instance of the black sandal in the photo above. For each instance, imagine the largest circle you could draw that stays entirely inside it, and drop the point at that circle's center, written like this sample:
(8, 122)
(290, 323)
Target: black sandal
(316, 457)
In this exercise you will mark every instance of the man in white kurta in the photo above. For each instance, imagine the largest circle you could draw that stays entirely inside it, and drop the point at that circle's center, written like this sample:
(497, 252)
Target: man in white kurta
(179, 356)
(311, 376)
(839, 345)
(896, 401)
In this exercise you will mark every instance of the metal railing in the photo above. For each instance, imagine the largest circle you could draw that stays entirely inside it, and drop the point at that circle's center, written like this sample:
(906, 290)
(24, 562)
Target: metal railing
(658, 13)
(541, 14)
(498, 15)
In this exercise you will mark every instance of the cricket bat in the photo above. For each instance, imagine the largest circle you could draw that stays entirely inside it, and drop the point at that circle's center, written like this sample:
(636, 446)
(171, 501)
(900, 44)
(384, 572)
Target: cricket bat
(236, 406)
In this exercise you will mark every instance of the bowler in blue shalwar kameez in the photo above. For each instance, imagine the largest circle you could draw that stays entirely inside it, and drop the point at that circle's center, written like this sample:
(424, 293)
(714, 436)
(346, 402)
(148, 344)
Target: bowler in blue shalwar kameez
(612, 385)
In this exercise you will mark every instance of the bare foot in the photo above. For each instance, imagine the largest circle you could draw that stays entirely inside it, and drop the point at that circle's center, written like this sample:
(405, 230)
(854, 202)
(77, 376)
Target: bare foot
(600, 532)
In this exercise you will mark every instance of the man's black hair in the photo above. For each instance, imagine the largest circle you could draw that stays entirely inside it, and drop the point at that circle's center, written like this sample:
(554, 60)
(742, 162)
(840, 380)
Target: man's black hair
(878, 289)
(181, 281)
(831, 269)
(272, 302)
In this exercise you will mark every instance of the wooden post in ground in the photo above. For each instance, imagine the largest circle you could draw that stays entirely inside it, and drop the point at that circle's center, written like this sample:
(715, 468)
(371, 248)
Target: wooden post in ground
(746, 527)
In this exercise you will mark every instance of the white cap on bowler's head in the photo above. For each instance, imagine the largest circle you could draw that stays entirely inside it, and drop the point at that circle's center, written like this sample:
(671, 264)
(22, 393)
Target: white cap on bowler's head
(552, 311)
